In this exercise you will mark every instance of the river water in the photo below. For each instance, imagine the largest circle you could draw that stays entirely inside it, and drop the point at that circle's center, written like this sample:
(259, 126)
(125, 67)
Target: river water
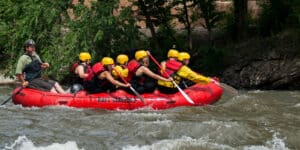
(252, 120)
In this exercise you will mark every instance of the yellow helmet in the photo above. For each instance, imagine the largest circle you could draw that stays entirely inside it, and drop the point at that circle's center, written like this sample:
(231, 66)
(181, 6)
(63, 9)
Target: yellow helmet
(122, 59)
(140, 54)
(84, 56)
(107, 61)
(183, 55)
(173, 53)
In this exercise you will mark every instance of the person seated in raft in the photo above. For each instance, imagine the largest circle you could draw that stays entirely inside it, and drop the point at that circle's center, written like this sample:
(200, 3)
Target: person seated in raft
(185, 73)
(169, 68)
(121, 69)
(29, 70)
(139, 71)
(82, 72)
(103, 81)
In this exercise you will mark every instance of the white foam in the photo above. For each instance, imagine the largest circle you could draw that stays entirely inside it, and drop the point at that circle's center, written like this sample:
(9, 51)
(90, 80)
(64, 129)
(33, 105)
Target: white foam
(23, 143)
(205, 143)
(274, 144)
(256, 91)
(143, 115)
(181, 143)
(297, 105)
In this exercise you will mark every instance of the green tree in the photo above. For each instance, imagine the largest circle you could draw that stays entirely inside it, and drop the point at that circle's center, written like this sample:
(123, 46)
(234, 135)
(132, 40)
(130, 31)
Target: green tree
(184, 10)
(155, 13)
(277, 15)
(240, 23)
(209, 13)
(20, 20)
(59, 38)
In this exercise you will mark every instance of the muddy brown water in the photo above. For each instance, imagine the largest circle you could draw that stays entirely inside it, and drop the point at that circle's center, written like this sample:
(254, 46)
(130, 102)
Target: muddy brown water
(251, 120)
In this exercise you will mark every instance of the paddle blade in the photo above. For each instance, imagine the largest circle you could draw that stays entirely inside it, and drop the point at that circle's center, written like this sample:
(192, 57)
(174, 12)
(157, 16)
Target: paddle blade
(183, 93)
(137, 94)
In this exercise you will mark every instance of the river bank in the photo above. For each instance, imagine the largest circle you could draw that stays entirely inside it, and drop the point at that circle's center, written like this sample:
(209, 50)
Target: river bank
(271, 63)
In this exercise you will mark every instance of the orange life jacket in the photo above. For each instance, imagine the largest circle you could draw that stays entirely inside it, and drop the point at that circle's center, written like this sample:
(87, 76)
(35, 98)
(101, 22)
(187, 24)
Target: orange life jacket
(133, 65)
(98, 68)
(172, 66)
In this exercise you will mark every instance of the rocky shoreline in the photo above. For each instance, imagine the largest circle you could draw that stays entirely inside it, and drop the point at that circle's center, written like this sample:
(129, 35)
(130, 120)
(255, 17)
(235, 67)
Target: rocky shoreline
(270, 63)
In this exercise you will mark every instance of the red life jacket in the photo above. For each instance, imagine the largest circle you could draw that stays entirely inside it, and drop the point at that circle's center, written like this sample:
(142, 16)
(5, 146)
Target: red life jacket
(90, 73)
(133, 65)
(98, 68)
(74, 66)
(172, 66)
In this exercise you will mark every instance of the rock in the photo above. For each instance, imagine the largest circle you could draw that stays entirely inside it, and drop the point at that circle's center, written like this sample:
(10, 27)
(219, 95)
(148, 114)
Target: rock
(275, 67)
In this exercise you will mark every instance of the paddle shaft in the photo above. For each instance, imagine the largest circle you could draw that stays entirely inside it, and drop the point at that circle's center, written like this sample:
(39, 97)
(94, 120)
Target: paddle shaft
(177, 86)
(21, 88)
(131, 88)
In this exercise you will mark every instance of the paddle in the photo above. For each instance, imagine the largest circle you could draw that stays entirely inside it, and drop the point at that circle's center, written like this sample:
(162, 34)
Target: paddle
(179, 89)
(131, 88)
(21, 88)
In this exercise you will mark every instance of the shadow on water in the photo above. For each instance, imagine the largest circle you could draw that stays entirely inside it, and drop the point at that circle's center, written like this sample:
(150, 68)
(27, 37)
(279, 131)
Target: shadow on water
(251, 120)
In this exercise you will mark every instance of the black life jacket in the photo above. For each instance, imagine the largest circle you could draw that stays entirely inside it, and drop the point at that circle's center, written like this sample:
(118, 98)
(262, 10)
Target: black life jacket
(33, 70)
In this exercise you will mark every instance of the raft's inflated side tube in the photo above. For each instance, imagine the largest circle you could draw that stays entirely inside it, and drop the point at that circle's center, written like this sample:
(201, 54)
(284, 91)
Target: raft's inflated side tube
(120, 100)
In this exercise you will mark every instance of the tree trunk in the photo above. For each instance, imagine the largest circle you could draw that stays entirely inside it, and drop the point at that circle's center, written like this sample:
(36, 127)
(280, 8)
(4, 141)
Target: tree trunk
(149, 24)
(240, 19)
(188, 26)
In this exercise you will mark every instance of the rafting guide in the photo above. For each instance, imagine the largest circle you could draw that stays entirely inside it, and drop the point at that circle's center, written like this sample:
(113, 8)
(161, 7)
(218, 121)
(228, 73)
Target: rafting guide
(29, 70)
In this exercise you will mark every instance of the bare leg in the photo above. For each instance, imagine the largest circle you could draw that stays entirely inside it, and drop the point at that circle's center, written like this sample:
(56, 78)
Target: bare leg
(53, 90)
(59, 89)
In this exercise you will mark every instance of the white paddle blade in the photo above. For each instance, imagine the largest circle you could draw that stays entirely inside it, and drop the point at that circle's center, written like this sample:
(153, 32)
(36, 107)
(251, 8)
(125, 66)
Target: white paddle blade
(183, 93)
(137, 94)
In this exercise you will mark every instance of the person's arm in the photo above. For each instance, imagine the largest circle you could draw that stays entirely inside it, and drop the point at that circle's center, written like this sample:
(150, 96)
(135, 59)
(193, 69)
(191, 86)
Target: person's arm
(148, 72)
(45, 65)
(111, 79)
(187, 73)
(19, 71)
(80, 71)
(22, 80)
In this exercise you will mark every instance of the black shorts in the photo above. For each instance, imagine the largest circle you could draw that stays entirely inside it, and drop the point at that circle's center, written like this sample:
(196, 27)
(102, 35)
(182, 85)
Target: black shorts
(41, 84)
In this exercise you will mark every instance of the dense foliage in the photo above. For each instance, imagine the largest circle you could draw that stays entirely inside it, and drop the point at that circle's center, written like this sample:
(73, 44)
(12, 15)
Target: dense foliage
(59, 38)
(62, 29)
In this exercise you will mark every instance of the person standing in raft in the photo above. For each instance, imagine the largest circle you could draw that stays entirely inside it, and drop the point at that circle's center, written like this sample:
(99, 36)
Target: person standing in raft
(169, 68)
(82, 72)
(139, 71)
(29, 70)
(103, 81)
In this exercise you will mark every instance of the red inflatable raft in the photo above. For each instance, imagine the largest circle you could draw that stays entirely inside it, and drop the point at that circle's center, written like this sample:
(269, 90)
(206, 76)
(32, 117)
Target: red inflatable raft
(119, 100)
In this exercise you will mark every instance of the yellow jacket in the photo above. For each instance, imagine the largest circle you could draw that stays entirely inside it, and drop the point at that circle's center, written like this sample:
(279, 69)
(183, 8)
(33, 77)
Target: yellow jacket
(186, 73)
(119, 70)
